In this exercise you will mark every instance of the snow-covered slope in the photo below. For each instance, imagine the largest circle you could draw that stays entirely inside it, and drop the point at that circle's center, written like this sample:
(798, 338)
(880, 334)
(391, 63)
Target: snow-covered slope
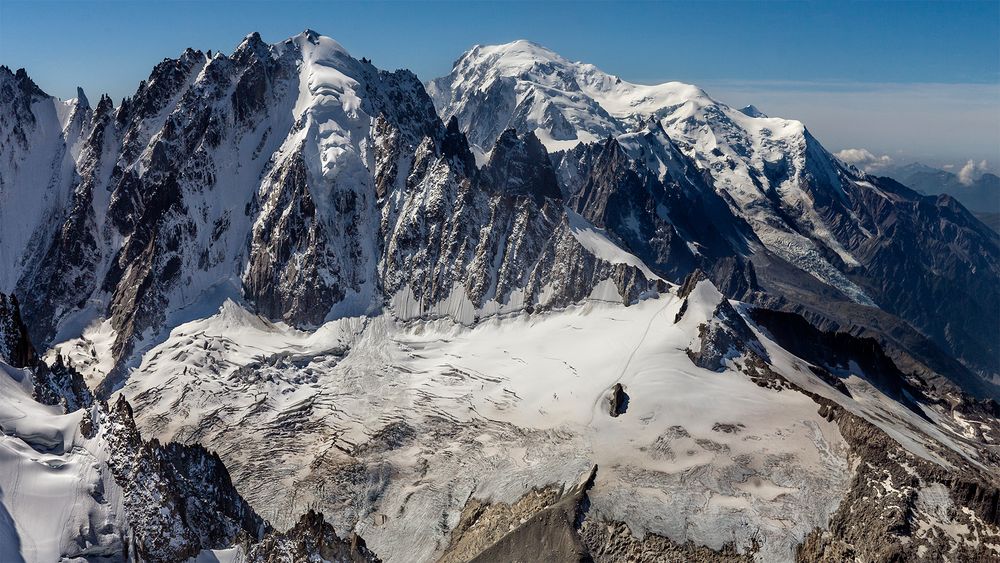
(58, 499)
(805, 208)
(422, 327)
(567, 103)
(290, 177)
(389, 426)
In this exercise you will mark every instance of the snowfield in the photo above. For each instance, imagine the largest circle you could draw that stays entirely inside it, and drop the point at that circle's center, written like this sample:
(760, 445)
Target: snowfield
(512, 403)
(53, 484)
(286, 257)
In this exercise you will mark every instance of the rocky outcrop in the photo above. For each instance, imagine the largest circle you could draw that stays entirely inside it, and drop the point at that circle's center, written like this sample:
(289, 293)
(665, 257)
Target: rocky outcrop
(56, 384)
(500, 235)
(724, 338)
(901, 507)
(61, 384)
(618, 401)
(542, 525)
(15, 344)
(311, 539)
(178, 499)
(553, 524)
(614, 542)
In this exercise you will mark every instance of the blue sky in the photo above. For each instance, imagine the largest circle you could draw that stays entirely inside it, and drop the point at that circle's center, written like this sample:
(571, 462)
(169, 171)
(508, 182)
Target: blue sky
(909, 80)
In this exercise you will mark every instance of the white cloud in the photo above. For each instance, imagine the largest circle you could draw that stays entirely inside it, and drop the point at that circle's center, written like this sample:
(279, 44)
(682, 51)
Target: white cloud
(971, 171)
(865, 159)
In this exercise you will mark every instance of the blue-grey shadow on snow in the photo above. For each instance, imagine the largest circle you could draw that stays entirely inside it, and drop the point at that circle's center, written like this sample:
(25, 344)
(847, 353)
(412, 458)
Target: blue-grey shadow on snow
(10, 541)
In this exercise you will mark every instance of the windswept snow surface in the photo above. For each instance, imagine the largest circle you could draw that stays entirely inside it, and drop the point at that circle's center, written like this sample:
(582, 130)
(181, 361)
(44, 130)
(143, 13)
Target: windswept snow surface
(597, 242)
(494, 409)
(52, 488)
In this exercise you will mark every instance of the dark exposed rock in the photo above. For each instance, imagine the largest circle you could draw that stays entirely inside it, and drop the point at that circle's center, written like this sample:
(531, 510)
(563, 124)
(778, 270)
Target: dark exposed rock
(61, 384)
(541, 526)
(456, 146)
(551, 524)
(629, 201)
(690, 282)
(932, 263)
(618, 401)
(728, 428)
(289, 289)
(894, 493)
(493, 233)
(390, 437)
(910, 350)
(311, 539)
(15, 345)
(178, 499)
(838, 351)
(57, 384)
(614, 542)
(521, 166)
(724, 337)
(735, 278)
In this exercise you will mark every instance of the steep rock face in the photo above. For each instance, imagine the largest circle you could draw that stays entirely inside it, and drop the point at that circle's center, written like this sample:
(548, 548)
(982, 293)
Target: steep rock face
(930, 262)
(294, 254)
(178, 499)
(631, 203)
(66, 274)
(311, 539)
(499, 235)
(15, 345)
(177, 193)
(863, 240)
(554, 524)
(39, 140)
(674, 222)
(304, 182)
(314, 243)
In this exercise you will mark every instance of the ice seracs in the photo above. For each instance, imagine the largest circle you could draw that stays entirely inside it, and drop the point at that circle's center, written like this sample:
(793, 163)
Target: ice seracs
(418, 324)
(805, 208)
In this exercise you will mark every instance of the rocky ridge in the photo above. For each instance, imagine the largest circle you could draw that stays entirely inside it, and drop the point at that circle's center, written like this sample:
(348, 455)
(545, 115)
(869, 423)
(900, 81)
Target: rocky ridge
(295, 192)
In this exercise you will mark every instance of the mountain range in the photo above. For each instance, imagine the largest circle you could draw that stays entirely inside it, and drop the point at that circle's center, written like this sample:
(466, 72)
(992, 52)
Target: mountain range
(280, 299)
(979, 195)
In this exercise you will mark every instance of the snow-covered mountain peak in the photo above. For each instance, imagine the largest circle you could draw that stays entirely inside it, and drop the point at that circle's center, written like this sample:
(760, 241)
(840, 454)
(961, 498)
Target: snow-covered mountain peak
(285, 254)
(511, 58)
(564, 103)
(319, 47)
(772, 172)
